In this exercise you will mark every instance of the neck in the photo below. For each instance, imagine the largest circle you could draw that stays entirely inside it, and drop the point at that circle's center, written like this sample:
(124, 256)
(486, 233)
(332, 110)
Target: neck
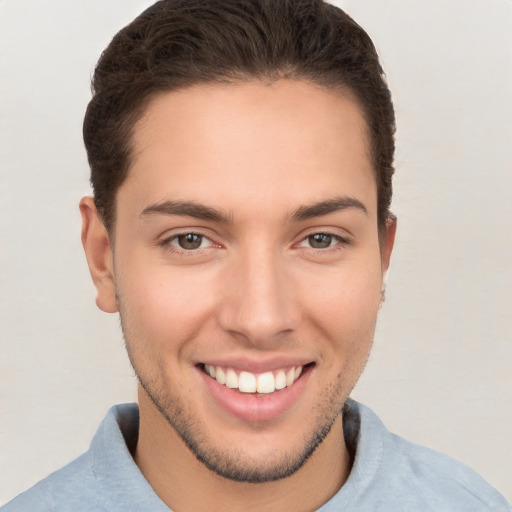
(177, 476)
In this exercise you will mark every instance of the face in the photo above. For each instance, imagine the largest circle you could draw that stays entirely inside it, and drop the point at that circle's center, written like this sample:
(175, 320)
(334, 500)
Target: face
(247, 269)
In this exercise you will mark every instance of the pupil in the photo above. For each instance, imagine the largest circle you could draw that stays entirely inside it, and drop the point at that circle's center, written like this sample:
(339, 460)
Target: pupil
(320, 240)
(190, 241)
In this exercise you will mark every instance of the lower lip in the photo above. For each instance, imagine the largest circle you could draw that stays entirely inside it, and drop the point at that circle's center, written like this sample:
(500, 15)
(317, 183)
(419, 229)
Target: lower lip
(256, 408)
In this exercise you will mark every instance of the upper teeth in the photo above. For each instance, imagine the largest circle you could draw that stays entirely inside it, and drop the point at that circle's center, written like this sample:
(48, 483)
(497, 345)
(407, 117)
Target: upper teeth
(248, 382)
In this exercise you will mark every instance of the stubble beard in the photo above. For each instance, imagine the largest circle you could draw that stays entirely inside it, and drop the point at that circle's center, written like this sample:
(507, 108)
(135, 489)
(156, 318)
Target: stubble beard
(234, 464)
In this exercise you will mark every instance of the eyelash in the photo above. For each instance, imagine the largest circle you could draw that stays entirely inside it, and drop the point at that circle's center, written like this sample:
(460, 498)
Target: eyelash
(167, 243)
(340, 243)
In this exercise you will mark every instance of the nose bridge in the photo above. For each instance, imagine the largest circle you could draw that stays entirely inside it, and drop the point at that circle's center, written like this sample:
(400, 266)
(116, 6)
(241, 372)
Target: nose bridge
(259, 303)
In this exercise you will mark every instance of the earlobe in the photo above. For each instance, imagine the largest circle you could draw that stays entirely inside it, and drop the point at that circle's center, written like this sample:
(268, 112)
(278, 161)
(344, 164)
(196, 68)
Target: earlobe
(98, 252)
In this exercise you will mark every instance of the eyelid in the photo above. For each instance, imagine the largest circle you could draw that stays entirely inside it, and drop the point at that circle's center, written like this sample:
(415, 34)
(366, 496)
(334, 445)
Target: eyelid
(166, 240)
(204, 238)
(340, 240)
(340, 234)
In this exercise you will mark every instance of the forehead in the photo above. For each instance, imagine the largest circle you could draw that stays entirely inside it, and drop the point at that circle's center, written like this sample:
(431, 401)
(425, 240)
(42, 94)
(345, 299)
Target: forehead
(251, 143)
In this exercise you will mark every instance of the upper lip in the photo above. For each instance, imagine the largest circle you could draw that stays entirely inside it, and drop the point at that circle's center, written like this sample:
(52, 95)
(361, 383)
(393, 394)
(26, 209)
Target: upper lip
(258, 365)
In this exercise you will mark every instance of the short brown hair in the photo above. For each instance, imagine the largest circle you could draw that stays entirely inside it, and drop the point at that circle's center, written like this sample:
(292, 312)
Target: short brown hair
(179, 43)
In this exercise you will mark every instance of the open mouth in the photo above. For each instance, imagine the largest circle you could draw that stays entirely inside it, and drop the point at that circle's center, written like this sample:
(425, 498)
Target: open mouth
(259, 383)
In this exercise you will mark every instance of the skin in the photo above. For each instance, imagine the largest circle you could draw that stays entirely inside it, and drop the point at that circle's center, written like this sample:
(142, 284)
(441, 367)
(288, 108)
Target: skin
(258, 290)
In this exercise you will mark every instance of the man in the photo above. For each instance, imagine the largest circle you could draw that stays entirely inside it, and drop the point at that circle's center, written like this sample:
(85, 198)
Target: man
(241, 157)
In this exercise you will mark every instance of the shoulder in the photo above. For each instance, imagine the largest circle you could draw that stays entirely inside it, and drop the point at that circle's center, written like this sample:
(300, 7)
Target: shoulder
(96, 479)
(391, 473)
(59, 491)
(441, 481)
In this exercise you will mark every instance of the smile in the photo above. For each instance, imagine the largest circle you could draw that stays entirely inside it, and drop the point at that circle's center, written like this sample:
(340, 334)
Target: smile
(260, 395)
(248, 382)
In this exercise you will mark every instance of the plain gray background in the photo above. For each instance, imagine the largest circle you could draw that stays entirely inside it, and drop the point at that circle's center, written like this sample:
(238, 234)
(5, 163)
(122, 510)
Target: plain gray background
(440, 370)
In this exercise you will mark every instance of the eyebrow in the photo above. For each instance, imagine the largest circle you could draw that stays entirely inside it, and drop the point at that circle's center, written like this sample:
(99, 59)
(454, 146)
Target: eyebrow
(188, 209)
(203, 212)
(326, 207)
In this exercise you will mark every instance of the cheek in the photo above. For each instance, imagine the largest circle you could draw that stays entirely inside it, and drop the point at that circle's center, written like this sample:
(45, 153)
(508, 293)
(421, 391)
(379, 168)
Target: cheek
(346, 307)
(345, 316)
(164, 306)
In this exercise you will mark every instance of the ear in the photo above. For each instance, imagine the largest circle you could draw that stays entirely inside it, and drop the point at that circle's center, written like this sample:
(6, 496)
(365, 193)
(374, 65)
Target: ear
(388, 243)
(98, 252)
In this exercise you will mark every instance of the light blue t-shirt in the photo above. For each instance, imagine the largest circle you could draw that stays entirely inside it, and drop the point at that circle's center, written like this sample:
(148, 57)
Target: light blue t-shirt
(389, 474)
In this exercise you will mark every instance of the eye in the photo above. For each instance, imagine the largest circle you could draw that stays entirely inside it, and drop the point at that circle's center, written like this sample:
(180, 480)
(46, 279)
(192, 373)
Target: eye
(321, 240)
(190, 241)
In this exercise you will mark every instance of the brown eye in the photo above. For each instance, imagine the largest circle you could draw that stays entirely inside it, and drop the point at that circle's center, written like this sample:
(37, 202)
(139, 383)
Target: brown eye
(190, 241)
(320, 240)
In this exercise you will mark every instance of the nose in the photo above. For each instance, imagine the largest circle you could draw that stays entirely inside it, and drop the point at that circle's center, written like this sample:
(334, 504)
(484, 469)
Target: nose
(259, 303)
